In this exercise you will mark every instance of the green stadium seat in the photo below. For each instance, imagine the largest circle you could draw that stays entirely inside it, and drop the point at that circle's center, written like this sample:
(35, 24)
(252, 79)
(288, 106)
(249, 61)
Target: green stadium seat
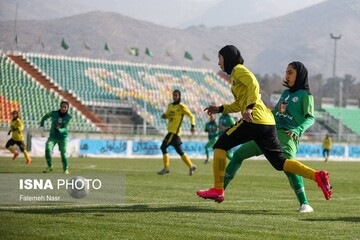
(349, 117)
(18, 87)
(114, 82)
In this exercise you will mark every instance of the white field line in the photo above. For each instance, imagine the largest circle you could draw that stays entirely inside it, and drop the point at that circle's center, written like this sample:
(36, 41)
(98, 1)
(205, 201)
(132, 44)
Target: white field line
(201, 202)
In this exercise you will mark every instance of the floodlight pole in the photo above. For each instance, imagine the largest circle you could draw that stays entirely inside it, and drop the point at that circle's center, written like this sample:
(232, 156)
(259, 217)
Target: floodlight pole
(145, 104)
(336, 38)
(144, 122)
(14, 35)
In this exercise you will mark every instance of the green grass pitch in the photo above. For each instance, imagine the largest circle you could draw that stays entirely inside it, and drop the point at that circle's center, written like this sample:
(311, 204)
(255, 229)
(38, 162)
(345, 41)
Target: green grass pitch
(259, 204)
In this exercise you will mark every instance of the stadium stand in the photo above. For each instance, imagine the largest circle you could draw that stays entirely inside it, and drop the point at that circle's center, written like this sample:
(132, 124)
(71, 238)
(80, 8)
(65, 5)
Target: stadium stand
(145, 88)
(19, 91)
(349, 117)
(121, 95)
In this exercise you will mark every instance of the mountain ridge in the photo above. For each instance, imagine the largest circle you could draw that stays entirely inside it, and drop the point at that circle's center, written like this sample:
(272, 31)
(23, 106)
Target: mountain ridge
(267, 46)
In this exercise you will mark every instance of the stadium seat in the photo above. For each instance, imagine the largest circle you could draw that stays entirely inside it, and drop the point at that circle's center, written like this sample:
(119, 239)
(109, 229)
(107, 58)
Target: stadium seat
(115, 82)
(18, 89)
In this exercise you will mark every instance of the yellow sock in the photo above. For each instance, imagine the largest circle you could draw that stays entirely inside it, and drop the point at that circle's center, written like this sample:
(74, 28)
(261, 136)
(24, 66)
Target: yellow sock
(166, 160)
(11, 149)
(298, 168)
(219, 165)
(26, 154)
(186, 160)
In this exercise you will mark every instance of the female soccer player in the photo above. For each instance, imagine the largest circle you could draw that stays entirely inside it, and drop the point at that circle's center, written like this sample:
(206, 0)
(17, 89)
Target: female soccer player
(17, 137)
(175, 114)
(212, 128)
(294, 114)
(59, 131)
(257, 124)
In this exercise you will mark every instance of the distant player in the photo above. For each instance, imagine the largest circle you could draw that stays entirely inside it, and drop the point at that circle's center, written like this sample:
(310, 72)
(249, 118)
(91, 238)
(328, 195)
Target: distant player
(17, 137)
(327, 142)
(59, 131)
(212, 128)
(175, 115)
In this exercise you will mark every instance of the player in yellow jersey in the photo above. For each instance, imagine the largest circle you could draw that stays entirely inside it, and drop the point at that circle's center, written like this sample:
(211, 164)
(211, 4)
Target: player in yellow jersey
(327, 142)
(257, 124)
(16, 128)
(175, 115)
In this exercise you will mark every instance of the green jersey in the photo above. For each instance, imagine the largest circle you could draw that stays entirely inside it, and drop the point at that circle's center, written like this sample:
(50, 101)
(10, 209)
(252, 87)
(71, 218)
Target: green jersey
(212, 129)
(294, 111)
(62, 120)
(225, 120)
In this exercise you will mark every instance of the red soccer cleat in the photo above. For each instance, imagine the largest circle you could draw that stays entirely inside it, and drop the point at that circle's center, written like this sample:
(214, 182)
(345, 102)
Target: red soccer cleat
(213, 193)
(28, 161)
(16, 154)
(322, 179)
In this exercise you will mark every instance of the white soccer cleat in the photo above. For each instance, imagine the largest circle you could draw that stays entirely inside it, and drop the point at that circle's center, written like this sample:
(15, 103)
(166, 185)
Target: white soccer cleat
(305, 208)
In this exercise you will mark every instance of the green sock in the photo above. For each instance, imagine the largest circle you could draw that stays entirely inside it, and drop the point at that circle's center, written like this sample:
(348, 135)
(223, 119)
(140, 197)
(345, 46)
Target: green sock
(231, 171)
(245, 151)
(207, 154)
(297, 184)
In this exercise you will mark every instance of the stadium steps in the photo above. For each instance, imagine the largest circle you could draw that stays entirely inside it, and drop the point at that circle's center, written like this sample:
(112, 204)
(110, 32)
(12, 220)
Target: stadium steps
(21, 62)
(331, 123)
(350, 117)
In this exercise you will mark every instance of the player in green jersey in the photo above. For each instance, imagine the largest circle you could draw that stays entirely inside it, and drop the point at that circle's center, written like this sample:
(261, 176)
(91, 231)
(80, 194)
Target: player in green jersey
(294, 114)
(212, 129)
(59, 131)
(257, 124)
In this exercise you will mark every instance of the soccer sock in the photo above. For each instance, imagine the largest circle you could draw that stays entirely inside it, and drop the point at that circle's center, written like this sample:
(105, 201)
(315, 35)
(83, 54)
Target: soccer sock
(64, 161)
(207, 154)
(301, 195)
(11, 149)
(219, 168)
(166, 161)
(231, 171)
(186, 160)
(298, 168)
(48, 157)
(297, 184)
(26, 154)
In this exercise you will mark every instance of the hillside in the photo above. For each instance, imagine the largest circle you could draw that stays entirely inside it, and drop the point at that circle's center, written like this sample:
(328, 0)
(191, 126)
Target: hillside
(244, 11)
(170, 13)
(267, 46)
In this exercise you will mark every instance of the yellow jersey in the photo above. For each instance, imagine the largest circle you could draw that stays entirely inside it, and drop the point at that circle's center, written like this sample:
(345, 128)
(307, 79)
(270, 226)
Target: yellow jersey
(246, 91)
(327, 142)
(175, 114)
(17, 127)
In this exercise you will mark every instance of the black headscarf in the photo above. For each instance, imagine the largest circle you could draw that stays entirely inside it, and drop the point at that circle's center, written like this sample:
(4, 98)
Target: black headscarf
(179, 100)
(232, 57)
(301, 81)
